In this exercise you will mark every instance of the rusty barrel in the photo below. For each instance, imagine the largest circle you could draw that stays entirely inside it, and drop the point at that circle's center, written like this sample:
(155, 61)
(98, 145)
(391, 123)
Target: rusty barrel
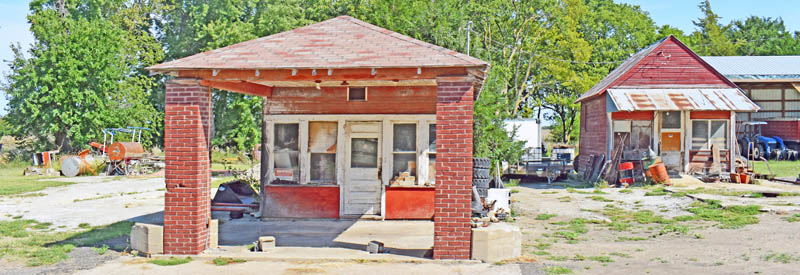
(125, 150)
(72, 166)
(659, 172)
(626, 173)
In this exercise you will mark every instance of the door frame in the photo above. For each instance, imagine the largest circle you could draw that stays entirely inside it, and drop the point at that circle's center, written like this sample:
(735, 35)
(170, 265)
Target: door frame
(348, 137)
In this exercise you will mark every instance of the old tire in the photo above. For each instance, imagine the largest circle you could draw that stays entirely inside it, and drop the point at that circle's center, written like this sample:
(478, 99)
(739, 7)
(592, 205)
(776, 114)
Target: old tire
(480, 173)
(481, 183)
(481, 163)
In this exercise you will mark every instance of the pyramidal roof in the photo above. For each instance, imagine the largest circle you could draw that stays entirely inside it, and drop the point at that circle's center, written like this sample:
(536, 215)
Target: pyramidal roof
(341, 42)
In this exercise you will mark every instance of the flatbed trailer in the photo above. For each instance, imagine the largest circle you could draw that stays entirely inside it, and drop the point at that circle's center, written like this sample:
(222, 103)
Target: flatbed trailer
(551, 170)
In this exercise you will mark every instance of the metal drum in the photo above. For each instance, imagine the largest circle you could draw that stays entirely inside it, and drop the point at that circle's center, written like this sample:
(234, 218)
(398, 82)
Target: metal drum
(125, 150)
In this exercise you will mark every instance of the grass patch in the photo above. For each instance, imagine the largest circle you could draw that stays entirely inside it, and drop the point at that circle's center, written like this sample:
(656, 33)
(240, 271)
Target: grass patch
(732, 217)
(565, 199)
(171, 261)
(620, 254)
(624, 239)
(558, 258)
(658, 191)
(780, 258)
(596, 191)
(780, 168)
(678, 194)
(600, 198)
(626, 191)
(544, 217)
(554, 270)
(601, 259)
(550, 192)
(217, 182)
(101, 250)
(94, 198)
(793, 218)
(540, 253)
(14, 182)
(227, 261)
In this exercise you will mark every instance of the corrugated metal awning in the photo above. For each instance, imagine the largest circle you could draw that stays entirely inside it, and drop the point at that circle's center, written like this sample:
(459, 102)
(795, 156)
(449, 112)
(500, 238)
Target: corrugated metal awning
(681, 99)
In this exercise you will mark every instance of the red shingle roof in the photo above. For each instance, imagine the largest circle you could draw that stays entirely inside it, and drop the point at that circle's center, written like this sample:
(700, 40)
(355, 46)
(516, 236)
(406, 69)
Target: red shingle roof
(341, 42)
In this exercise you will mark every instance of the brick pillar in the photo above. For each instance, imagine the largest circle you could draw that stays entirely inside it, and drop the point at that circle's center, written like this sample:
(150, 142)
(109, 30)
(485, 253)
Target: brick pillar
(452, 231)
(188, 172)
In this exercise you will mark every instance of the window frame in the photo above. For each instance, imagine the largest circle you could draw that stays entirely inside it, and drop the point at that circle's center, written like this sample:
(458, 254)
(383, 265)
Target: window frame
(309, 152)
(366, 94)
(707, 145)
(414, 152)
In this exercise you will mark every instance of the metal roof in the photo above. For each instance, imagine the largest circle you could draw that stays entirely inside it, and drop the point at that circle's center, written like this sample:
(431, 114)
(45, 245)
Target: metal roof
(730, 99)
(341, 42)
(756, 67)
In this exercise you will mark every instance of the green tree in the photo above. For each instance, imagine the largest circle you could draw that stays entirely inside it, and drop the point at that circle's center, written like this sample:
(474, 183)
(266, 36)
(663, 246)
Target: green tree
(763, 36)
(85, 72)
(710, 38)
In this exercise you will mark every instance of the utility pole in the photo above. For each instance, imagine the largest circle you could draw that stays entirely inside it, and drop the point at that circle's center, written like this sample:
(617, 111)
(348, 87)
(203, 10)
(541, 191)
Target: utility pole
(469, 31)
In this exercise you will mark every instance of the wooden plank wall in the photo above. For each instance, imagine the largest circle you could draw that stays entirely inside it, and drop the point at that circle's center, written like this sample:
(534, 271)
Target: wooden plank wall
(333, 100)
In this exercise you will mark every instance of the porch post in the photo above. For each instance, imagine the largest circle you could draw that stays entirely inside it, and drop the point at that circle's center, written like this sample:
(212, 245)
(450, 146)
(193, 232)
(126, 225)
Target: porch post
(187, 126)
(452, 231)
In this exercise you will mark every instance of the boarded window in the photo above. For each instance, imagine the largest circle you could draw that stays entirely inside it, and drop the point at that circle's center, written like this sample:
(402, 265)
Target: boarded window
(671, 120)
(364, 153)
(357, 94)
(404, 150)
(287, 168)
(322, 148)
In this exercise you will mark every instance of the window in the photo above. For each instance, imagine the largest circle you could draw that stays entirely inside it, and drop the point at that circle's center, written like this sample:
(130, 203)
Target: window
(286, 153)
(322, 150)
(671, 120)
(709, 132)
(356, 94)
(432, 153)
(364, 153)
(404, 151)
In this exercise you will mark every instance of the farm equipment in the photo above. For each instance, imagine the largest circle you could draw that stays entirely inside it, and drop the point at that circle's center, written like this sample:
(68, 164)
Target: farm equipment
(755, 146)
(124, 157)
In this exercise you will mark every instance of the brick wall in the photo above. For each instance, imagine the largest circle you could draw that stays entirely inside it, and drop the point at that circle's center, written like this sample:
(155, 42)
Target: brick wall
(452, 232)
(593, 129)
(187, 173)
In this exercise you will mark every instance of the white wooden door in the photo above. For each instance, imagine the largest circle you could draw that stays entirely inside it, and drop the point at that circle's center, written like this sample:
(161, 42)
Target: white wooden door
(362, 186)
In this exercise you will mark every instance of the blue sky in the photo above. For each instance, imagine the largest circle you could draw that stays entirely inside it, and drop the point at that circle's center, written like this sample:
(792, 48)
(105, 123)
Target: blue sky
(678, 13)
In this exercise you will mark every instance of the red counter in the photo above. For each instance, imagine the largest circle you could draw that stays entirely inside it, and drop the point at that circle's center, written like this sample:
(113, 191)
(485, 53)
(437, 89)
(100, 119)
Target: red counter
(301, 201)
(409, 203)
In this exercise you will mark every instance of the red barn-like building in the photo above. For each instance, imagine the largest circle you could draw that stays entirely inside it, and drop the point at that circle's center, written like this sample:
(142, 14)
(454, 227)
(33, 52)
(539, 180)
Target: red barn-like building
(664, 98)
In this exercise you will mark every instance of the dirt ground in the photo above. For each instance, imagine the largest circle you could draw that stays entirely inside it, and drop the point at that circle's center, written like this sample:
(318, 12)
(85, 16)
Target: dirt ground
(767, 247)
(692, 246)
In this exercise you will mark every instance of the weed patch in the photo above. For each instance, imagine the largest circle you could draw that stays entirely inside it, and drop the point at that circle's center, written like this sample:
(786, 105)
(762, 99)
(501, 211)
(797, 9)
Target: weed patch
(783, 258)
(731, 217)
(554, 270)
(171, 261)
(544, 217)
(600, 198)
(626, 191)
(624, 239)
(601, 259)
(227, 261)
(658, 191)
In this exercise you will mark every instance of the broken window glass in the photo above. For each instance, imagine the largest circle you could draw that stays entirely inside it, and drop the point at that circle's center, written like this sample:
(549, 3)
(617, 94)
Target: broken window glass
(364, 153)
(699, 134)
(405, 137)
(322, 147)
(432, 137)
(405, 163)
(719, 134)
(323, 168)
(287, 168)
(671, 120)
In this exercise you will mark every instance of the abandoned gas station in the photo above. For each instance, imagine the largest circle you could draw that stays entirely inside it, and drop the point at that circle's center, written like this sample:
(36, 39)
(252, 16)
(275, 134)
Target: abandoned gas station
(358, 121)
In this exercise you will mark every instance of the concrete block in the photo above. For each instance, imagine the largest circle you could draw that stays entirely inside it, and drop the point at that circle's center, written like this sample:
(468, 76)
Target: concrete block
(213, 234)
(266, 242)
(496, 242)
(147, 238)
(374, 247)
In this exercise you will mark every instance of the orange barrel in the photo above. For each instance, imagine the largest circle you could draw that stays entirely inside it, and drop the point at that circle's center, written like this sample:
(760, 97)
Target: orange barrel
(626, 173)
(658, 172)
(125, 150)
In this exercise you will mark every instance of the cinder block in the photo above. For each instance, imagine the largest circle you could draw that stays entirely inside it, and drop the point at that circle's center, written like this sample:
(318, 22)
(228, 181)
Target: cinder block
(497, 242)
(266, 242)
(213, 234)
(147, 238)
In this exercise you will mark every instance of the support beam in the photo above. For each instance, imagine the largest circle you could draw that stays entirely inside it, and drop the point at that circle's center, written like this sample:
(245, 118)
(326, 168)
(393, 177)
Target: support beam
(239, 87)
(308, 75)
(187, 126)
(454, 106)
